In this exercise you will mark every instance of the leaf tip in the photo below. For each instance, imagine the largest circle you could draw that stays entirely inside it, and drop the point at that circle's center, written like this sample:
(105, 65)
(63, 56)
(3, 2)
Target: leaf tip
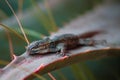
(40, 67)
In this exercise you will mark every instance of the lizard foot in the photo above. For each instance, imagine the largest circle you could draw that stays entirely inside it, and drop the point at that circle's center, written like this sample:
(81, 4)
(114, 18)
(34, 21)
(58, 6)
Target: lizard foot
(64, 54)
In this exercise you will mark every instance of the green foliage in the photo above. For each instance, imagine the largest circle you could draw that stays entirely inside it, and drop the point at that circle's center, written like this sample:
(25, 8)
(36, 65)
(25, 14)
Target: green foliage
(37, 22)
(15, 4)
(38, 19)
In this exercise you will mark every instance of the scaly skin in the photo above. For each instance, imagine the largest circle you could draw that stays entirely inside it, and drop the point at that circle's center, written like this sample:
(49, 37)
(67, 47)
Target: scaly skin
(60, 44)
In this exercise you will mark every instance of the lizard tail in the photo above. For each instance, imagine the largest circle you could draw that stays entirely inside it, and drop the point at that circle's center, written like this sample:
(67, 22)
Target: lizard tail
(90, 34)
(91, 42)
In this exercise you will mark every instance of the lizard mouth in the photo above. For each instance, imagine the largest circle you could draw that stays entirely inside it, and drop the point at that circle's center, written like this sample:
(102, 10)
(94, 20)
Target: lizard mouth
(39, 48)
(32, 52)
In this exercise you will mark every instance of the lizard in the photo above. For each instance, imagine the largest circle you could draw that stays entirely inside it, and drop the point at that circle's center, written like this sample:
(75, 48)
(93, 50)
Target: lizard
(62, 43)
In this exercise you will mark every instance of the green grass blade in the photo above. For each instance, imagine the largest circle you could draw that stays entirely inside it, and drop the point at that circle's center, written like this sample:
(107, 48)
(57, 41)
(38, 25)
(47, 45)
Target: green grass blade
(62, 76)
(88, 72)
(78, 72)
(11, 30)
(82, 72)
(32, 33)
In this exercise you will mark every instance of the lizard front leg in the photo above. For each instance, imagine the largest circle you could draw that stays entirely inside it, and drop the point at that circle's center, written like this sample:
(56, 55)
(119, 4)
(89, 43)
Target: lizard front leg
(61, 47)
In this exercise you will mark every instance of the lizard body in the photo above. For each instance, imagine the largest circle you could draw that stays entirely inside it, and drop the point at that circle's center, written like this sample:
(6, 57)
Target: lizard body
(60, 44)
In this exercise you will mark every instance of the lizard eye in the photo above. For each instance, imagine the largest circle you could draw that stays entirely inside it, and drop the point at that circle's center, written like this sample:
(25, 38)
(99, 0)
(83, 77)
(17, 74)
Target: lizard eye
(52, 44)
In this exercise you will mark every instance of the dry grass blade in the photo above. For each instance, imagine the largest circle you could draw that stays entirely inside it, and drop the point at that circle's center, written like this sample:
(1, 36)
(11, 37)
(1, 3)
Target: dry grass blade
(10, 45)
(20, 6)
(19, 23)
(49, 25)
(53, 24)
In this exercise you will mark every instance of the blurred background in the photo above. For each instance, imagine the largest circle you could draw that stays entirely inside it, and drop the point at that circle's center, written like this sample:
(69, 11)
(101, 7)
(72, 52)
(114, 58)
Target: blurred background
(41, 17)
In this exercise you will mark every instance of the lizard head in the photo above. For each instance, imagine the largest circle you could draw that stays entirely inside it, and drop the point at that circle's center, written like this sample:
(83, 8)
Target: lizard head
(40, 46)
